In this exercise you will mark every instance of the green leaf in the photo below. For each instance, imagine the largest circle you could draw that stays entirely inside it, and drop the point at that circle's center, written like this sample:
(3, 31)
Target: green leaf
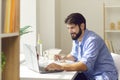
(3, 60)
(24, 30)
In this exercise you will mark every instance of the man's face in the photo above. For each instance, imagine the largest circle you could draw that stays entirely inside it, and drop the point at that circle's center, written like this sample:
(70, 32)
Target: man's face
(74, 30)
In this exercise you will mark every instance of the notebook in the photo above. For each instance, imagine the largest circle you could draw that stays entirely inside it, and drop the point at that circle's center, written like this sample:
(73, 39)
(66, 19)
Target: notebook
(32, 61)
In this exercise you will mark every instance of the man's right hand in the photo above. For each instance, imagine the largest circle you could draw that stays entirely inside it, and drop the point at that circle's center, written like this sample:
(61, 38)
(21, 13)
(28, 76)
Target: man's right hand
(57, 57)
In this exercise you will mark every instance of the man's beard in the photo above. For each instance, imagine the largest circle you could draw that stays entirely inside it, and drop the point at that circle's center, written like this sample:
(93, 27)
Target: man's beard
(77, 35)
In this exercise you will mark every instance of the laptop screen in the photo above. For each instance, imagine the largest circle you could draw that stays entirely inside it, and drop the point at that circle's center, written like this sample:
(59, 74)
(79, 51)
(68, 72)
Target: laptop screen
(33, 63)
(31, 57)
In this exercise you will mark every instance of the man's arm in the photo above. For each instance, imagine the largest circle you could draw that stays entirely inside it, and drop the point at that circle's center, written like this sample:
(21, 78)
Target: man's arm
(69, 57)
(77, 66)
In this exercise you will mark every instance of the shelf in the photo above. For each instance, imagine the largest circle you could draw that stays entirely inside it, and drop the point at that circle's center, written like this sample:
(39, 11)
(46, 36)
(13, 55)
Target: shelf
(10, 42)
(116, 6)
(111, 20)
(112, 31)
(4, 35)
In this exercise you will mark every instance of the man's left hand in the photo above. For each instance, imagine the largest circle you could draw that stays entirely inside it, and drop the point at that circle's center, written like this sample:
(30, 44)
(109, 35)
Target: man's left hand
(54, 66)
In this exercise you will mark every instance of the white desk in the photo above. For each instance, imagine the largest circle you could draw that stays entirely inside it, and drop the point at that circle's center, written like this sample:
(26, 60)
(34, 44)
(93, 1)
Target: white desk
(27, 74)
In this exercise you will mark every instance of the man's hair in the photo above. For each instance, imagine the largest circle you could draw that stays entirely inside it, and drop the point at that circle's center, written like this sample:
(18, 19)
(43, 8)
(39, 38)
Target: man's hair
(75, 18)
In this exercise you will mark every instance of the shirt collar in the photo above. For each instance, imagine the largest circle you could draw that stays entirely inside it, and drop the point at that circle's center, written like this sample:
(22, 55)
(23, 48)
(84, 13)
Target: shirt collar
(83, 39)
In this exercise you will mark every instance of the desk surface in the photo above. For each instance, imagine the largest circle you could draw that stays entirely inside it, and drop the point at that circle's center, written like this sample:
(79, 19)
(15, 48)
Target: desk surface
(27, 74)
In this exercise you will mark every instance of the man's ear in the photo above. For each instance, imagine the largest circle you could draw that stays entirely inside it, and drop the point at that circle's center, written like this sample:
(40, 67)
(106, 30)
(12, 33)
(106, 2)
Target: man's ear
(82, 26)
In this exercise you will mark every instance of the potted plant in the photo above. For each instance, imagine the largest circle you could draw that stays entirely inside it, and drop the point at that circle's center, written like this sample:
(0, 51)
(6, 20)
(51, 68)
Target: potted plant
(23, 30)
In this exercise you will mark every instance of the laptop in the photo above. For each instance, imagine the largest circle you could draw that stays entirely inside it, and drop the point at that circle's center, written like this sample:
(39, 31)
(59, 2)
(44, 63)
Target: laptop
(32, 62)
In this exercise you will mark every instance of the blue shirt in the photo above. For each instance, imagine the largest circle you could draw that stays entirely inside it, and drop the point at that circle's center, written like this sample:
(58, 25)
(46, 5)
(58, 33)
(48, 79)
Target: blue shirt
(93, 52)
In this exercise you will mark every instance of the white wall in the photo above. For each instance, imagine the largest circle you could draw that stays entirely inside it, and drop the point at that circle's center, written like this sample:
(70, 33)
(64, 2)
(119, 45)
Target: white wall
(46, 22)
(51, 15)
(112, 2)
(28, 17)
(91, 9)
(57, 24)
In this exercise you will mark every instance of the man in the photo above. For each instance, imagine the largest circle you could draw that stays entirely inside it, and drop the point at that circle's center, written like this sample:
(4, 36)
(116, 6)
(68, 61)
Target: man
(89, 52)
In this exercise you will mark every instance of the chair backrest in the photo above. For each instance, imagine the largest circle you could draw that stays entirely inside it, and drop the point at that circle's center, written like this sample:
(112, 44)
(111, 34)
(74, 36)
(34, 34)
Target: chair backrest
(116, 58)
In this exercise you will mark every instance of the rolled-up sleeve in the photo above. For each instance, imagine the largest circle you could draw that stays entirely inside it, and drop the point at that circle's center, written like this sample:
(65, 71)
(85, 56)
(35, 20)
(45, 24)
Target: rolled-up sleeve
(90, 53)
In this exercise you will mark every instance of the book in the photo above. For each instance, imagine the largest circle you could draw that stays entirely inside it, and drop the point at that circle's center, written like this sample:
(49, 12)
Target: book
(12, 16)
(109, 45)
(7, 16)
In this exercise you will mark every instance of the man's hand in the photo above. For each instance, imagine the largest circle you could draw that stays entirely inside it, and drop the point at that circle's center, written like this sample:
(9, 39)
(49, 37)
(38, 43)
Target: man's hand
(57, 57)
(54, 66)
(67, 57)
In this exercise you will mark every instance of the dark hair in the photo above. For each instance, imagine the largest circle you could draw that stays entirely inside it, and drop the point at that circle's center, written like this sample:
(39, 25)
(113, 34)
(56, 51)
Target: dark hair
(75, 18)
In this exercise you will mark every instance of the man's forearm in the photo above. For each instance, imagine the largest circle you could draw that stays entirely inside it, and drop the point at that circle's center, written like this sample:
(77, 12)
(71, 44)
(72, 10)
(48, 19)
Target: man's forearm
(69, 57)
(77, 66)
